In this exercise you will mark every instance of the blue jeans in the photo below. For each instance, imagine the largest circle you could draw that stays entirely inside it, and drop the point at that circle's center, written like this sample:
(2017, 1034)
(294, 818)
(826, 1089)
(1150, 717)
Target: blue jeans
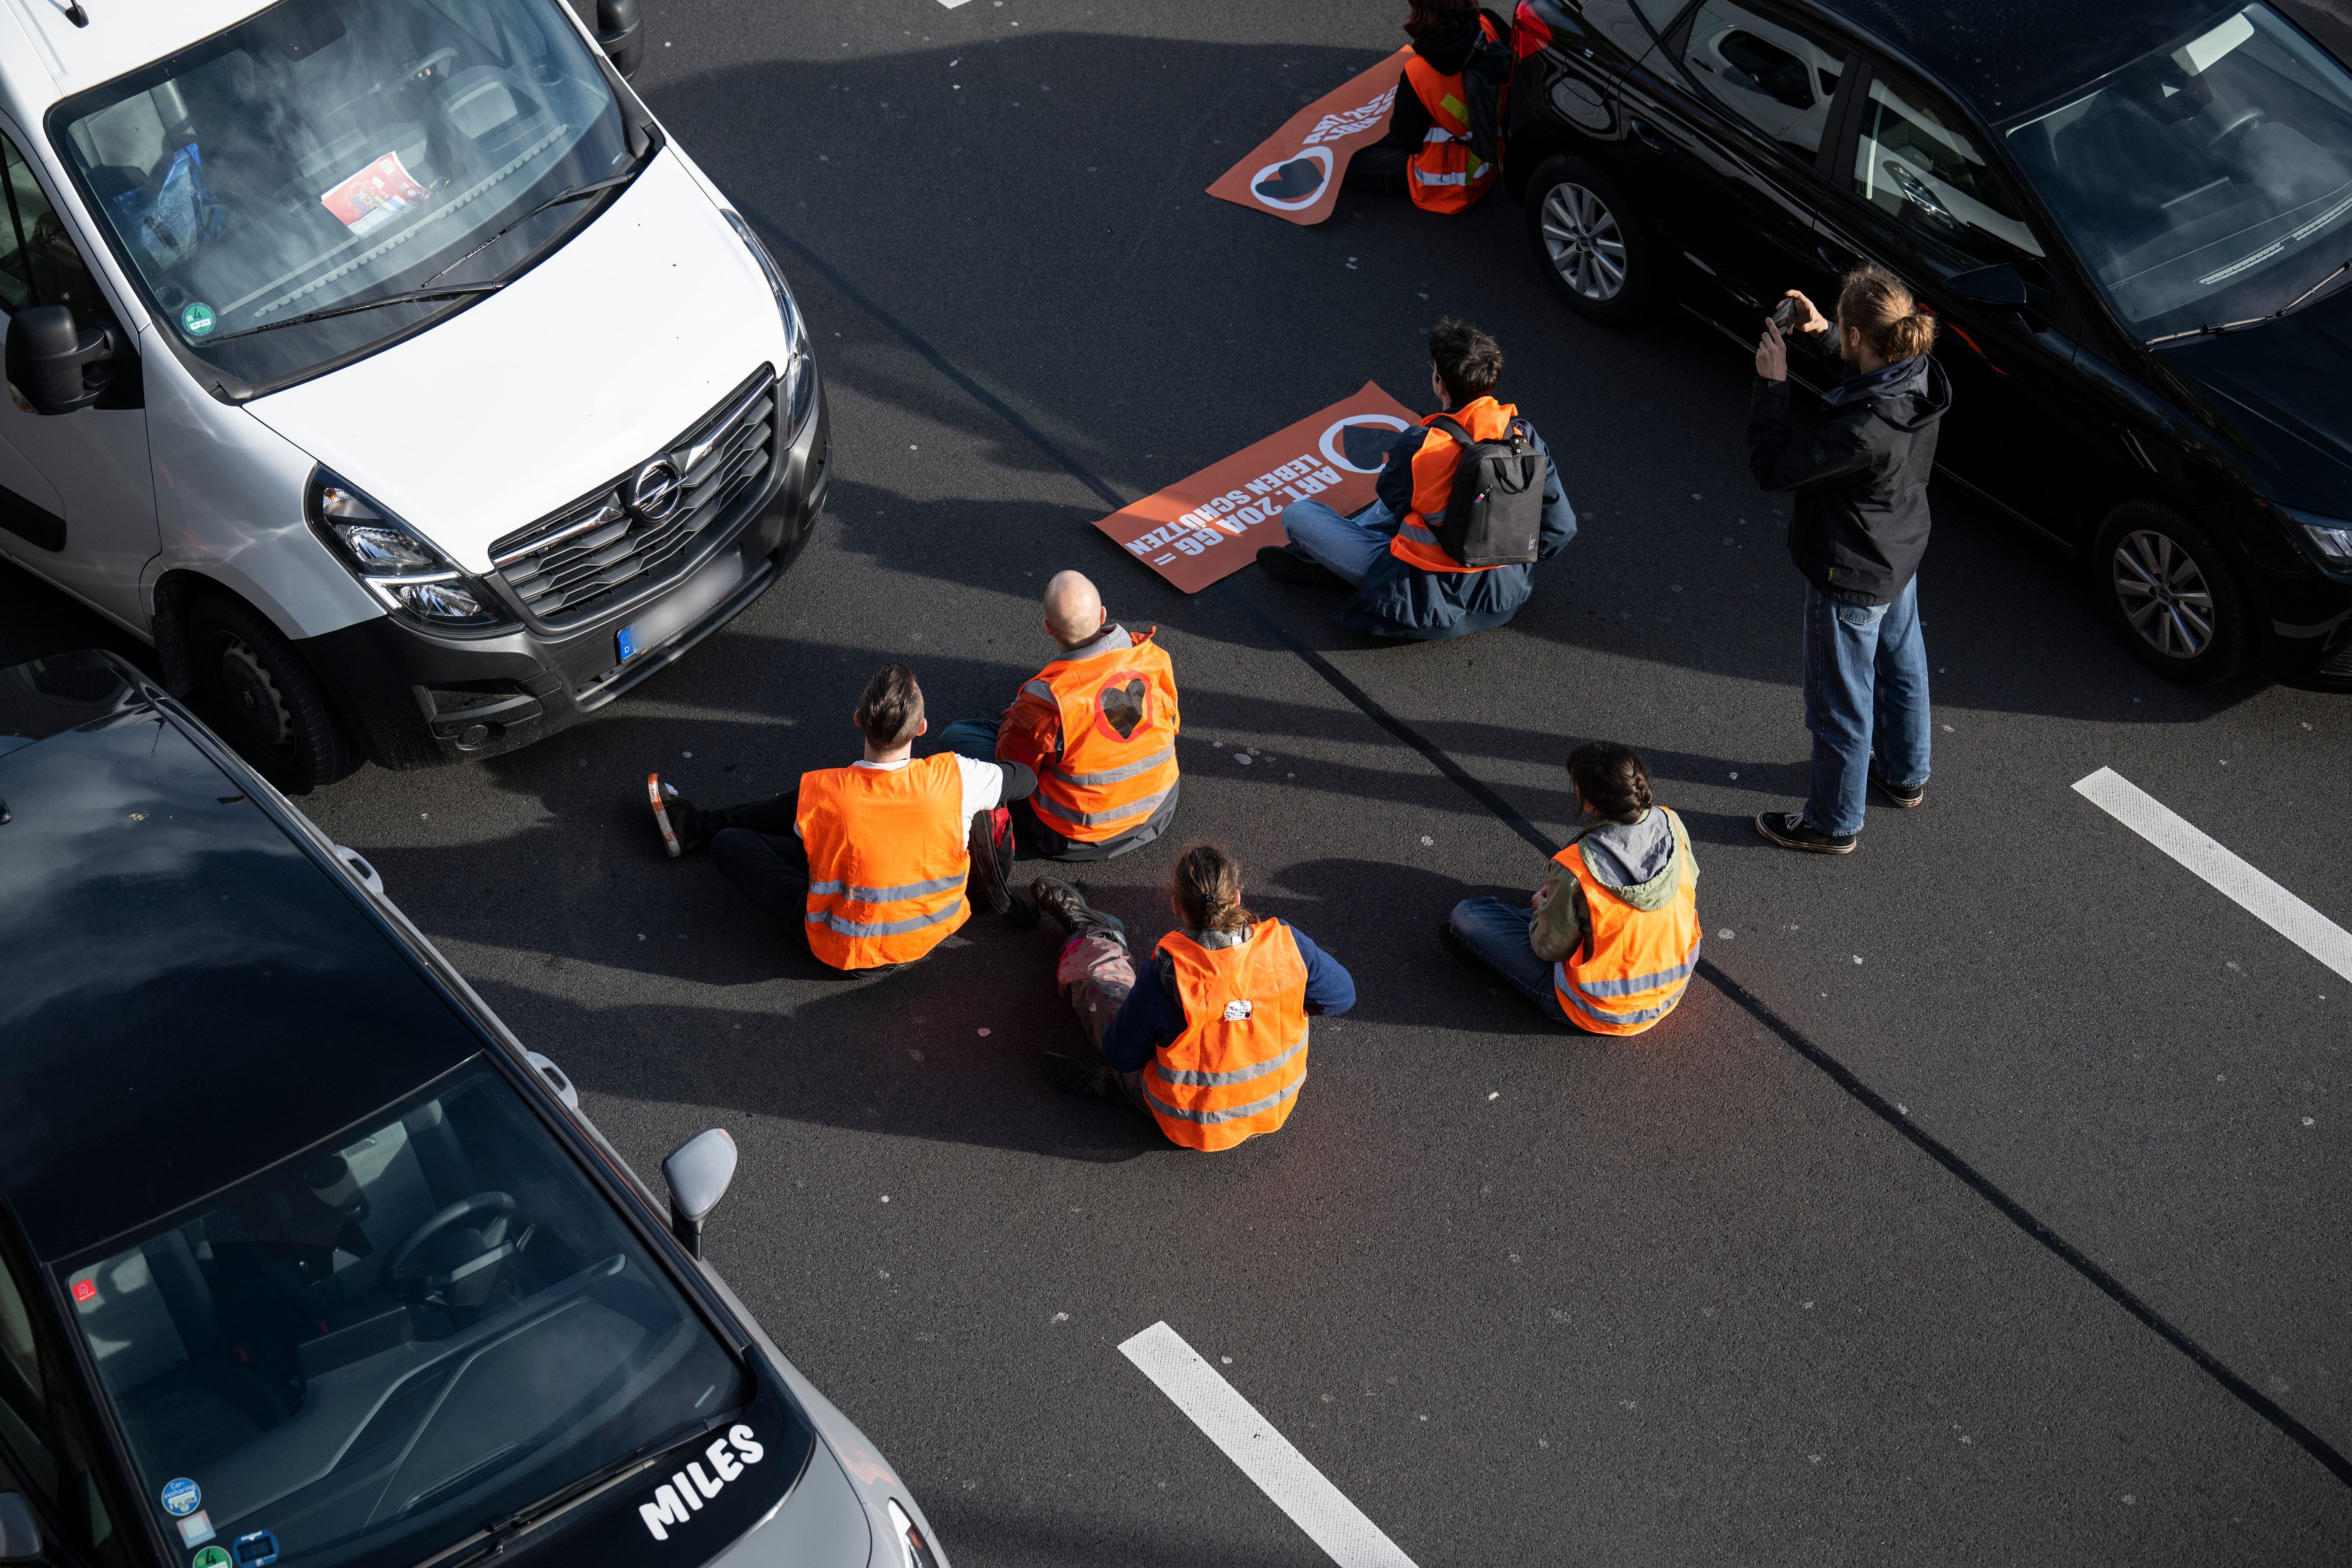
(1866, 694)
(1498, 932)
(1348, 545)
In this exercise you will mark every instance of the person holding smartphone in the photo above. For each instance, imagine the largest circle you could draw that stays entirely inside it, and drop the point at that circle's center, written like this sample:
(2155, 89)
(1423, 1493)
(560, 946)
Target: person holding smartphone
(1857, 475)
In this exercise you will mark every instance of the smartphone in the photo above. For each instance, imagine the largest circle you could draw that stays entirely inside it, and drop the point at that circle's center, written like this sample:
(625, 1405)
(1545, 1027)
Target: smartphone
(1784, 315)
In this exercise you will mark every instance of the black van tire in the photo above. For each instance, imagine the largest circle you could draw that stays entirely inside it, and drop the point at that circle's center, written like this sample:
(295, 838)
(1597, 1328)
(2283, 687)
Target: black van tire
(256, 691)
(1578, 218)
(2169, 591)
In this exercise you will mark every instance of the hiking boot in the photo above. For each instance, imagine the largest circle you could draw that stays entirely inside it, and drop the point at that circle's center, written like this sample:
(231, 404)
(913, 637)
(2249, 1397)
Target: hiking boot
(1288, 564)
(1069, 908)
(1087, 1080)
(671, 813)
(1789, 830)
(1901, 796)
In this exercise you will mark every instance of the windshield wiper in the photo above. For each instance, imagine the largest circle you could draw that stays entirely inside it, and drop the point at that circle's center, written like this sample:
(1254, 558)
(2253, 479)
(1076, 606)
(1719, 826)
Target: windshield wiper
(2254, 320)
(578, 194)
(492, 1537)
(454, 290)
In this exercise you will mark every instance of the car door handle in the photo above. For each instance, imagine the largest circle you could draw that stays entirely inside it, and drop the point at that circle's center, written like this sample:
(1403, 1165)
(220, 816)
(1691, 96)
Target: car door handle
(1645, 136)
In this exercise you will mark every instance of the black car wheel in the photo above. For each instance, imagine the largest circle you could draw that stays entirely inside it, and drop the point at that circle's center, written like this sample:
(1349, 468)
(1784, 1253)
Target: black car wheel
(264, 700)
(2172, 590)
(1585, 238)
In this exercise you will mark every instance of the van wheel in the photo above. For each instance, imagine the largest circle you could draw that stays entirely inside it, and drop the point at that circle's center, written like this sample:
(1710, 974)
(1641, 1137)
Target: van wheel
(264, 700)
(1586, 240)
(2171, 591)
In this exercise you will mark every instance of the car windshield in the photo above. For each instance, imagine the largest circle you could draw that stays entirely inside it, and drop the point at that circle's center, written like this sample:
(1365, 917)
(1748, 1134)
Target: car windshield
(326, 153)
(2210, 181)
(385, 1342)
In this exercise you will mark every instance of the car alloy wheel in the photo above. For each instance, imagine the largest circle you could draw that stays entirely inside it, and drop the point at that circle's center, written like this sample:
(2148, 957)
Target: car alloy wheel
(2164, 593)
(1582, 236)
(252, 696)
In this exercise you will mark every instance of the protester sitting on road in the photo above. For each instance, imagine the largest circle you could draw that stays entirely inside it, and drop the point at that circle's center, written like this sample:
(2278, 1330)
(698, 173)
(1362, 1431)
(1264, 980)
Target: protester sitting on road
(1406, 584)
(875, 867)
(1608, 944)
(1097, 726)
(1427, 152)
(1214, 1046)
(1859, 477)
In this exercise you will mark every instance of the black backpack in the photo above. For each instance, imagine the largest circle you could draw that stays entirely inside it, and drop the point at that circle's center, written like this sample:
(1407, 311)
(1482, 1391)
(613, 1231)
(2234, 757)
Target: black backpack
(1495, 516)
(1483, 76)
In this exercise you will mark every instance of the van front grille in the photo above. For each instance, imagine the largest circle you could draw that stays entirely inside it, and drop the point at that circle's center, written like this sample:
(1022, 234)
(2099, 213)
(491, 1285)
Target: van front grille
(564, 567)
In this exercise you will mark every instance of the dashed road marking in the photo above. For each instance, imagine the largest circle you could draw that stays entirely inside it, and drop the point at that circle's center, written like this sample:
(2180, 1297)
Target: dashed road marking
(1265, 1454)
(2249, 889)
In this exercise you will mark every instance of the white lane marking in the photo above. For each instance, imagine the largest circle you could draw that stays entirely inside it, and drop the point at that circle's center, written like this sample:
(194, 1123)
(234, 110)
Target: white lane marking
(1265, 1454)
(951, 5)
(2257, 894)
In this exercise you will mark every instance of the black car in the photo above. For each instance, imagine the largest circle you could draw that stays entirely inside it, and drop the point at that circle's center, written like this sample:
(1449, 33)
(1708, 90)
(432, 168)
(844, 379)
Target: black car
(2134, 221)
(304, 1259)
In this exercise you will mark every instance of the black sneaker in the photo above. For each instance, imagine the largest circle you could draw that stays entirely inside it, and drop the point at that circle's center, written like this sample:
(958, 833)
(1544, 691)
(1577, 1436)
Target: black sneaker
(1068, 904)
(1087, 1080)
(1901, 796)
(1288, 564)
(1789, 830)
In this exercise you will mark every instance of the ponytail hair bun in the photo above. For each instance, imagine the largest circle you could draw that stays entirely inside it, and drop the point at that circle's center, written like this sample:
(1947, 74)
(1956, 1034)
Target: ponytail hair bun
(1611, 780)
(1873, 302)
(1205, 885)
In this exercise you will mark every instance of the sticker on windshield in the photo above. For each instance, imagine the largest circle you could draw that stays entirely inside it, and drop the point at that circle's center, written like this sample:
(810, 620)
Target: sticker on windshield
(197, 319)
(181, 1496)
(682, 1496)
(211, 1557)
(375, 195)
(197, 1529)
(259, 1549)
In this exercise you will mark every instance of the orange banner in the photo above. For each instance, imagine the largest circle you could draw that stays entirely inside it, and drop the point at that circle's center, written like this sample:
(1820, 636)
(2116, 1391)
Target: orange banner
(1211, 525)
(1295, 173)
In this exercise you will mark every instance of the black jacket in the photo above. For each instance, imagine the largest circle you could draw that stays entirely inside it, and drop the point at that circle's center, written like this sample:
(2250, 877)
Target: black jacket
(1859, 473)
(1447, 52)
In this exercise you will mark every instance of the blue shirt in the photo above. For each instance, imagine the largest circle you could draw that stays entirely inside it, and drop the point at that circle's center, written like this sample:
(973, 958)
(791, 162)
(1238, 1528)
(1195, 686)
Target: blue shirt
(1152, 1018)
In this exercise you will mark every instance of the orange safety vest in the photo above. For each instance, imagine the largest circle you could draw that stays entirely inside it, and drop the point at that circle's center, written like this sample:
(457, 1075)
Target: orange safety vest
(1444, 175)
(1415, 541)
(887, 852)
(1118, 740)
(1234, 1071)
(1635, 967)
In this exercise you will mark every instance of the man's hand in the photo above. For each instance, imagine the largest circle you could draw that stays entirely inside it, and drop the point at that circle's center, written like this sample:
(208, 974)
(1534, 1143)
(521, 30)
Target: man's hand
(1543, 897)
(1811, 320)
(1771, 353)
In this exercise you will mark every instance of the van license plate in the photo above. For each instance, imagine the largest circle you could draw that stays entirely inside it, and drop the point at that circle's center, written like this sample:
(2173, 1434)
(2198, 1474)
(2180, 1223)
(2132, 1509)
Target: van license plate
(687, 605)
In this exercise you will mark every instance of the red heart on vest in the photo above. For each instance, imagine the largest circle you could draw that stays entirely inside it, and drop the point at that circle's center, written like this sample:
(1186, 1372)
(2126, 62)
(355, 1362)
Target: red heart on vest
(1123, 706)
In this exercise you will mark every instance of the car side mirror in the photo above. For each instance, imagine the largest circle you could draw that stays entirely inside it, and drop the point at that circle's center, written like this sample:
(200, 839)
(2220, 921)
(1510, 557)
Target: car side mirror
(698, 1172)
(2000, 284)
(620, 33)
(47, 355)
(20, 1533)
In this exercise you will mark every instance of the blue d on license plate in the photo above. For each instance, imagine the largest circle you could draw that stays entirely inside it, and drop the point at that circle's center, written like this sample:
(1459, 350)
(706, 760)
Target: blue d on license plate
(686, 605)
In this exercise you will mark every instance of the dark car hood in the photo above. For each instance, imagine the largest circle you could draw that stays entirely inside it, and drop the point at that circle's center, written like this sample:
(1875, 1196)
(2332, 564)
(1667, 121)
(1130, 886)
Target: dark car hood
(2282, 385)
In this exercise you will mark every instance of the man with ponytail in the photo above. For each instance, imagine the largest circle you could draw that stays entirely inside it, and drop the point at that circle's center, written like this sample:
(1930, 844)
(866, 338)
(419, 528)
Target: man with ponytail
(1609, 943)
(1212, 1044)
(1857, 475)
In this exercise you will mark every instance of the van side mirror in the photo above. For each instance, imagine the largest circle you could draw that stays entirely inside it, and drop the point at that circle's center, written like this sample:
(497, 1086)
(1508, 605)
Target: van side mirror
(620, 33)
(47, 355)
(2000, 284)
(20, 1533)
(698, 1172)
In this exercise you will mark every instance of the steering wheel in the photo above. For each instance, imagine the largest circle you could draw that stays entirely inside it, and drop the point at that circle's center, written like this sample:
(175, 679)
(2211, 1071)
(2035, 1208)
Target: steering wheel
(2244, 120)
(457, 1281)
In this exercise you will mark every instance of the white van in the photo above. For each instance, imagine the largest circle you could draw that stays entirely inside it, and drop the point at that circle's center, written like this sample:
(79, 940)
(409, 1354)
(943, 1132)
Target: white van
(384, 365)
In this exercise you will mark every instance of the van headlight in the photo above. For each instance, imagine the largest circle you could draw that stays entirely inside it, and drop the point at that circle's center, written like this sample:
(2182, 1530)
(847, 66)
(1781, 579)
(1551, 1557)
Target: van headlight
(409, 575)
(799, 380)
(914, 1552)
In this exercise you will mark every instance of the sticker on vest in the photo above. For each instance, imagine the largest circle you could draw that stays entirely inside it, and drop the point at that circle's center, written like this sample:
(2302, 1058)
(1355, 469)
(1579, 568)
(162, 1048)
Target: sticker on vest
(1236, 1011)
(1121, 703)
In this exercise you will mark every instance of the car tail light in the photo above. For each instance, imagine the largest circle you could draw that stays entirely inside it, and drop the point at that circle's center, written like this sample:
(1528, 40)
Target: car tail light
(1530, 32)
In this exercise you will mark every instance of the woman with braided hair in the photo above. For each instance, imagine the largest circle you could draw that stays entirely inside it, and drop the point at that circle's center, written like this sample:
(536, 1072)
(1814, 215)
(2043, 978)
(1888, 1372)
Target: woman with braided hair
(1212, 1046)
(1608, 944)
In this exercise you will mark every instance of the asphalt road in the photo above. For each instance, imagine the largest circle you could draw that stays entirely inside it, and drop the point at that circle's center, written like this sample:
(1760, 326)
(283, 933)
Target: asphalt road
(1706, 1295)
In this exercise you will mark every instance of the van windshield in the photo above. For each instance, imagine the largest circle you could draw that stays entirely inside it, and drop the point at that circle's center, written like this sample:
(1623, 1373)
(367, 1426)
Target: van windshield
(326, 153)
(2209, 183)
(374, 1346)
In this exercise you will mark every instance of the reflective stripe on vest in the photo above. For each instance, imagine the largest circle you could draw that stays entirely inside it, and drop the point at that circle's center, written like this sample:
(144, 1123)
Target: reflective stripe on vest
(1446, 175)
(1415, 541)
(1118, 724)
(1642, 960)
(1236, 1070)
(887, 860)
